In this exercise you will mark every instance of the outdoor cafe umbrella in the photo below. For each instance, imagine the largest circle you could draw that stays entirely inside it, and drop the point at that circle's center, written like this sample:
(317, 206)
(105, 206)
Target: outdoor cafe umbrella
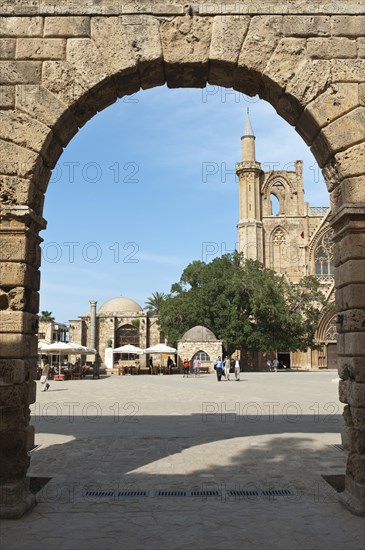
(129, 349)
(64, 348)
(160, 348)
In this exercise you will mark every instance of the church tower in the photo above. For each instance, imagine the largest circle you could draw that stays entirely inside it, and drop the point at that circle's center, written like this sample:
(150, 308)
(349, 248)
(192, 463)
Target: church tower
(250, 228)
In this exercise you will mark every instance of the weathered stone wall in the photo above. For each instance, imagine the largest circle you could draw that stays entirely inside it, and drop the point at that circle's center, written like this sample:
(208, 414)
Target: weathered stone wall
(62, 62)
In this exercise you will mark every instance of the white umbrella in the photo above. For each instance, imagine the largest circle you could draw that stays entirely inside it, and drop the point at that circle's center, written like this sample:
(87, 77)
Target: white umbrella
(64, 348)
(160, 348)
(128, 348)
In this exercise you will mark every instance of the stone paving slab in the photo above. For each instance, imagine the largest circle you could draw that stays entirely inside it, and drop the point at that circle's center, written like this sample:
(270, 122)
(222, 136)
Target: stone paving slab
(150, 433)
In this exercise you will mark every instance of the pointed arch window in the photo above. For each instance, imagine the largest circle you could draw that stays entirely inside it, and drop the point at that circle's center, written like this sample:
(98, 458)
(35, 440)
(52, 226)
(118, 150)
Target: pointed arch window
(324, 255)
(127, 334)
(278, 249)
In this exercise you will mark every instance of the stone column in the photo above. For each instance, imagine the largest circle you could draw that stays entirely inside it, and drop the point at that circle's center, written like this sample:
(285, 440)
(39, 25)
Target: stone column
(19, 302)
(350, 298)
(93, 323)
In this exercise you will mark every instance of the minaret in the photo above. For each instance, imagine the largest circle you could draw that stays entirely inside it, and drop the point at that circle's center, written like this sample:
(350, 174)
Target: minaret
(250, 233)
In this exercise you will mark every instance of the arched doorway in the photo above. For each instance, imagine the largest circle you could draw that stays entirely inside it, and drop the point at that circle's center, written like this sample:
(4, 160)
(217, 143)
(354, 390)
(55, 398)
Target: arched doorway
(50, 93)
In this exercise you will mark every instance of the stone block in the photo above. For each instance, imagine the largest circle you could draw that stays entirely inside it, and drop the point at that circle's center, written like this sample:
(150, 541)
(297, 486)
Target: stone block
(185, 43)
(43, 105)
(349, 70)
(7, 97)
(25, 131)
(23, 299)
(15, 190)
(21, 26)
(360, 48)
(18, 321)
(84, 57)
(346, 25)
(339, 135)
(351, 246)
(109, 36)
(67, 26)
(20, 72)
(13, 248)
(331, 48)
(12, 396)
(263, 35)
(64, 81)
(312, 79)
(31, 392)
(287, 60)
(41, 48)
(17, 161)
(18, 274)
(346, 164)
(350, 272)
(15, 346)
(350, 296)
(351, 344)
(358, 418)
(228, 34)
(356, 466)
(7, 48)
(307, 25)
(336, 101)
(13, 371)
(147, 45)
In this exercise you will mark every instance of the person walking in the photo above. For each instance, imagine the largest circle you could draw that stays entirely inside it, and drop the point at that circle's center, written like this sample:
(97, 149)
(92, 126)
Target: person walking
(196, 366)
(269, 365)
(44, 377)
(169, 365)
(186, 365)
(237, 369)
(219, 368)
(227, 367)
(150, 365)
(275, 364)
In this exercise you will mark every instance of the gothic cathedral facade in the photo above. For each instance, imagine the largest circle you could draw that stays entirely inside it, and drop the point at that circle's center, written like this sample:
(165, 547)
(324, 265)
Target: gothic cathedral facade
(278, 228)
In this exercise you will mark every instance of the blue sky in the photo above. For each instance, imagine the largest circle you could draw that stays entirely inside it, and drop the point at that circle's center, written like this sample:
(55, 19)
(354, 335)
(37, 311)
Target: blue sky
(145, 187)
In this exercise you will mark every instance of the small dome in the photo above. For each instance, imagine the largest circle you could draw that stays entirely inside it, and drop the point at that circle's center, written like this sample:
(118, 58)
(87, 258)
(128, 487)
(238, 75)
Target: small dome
(120, 304)
(198, 334)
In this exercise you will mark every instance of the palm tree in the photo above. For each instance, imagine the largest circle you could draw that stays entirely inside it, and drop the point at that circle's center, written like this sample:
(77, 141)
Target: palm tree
(153, 303)
(46, 317)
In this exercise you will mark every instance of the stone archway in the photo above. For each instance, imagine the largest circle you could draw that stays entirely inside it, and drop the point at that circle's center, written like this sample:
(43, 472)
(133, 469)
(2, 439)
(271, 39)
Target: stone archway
(63, 63)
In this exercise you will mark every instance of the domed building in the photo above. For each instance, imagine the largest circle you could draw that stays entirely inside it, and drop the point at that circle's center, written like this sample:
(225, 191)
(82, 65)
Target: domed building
(200, 342)
(117, 322)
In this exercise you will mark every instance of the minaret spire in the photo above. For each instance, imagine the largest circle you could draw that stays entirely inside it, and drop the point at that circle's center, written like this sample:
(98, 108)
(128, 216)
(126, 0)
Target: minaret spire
(248, 141)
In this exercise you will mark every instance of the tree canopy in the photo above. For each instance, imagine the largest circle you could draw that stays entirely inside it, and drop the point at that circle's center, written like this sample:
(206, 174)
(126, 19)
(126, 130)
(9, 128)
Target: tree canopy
(244, 304)
(46, 316)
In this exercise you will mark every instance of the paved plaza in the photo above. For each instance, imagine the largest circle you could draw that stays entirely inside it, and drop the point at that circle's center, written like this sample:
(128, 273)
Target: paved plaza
(162, 462)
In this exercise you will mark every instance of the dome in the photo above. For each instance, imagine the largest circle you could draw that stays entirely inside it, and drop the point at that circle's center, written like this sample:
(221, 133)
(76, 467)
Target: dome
(198, 334)
(120, 304)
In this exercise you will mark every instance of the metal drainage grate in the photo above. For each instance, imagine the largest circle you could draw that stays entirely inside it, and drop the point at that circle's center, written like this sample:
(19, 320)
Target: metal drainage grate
(165, 493)
(239, 493)
(338, 446)
(171, 494)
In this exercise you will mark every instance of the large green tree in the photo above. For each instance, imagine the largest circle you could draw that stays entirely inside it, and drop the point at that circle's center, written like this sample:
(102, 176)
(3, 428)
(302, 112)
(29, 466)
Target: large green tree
(244, 304)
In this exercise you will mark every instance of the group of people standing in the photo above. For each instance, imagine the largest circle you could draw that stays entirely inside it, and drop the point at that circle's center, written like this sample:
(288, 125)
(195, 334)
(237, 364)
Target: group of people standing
(196, 367)
(223, 368)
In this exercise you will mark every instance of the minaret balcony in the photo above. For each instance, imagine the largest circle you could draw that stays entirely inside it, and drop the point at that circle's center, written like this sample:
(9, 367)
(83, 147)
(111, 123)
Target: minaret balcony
(248, 166)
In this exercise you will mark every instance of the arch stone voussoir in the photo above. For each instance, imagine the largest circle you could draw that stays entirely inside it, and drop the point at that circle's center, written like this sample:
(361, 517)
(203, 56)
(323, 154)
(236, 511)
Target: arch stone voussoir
(186, 43)
(57, 70)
